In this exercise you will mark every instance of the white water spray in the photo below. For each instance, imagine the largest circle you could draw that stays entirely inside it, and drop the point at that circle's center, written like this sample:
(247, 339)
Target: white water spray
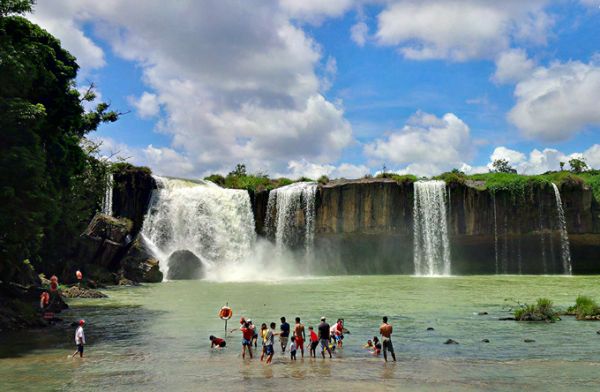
(290, 211)
(564, 236)
(107, 202)
(431, 243)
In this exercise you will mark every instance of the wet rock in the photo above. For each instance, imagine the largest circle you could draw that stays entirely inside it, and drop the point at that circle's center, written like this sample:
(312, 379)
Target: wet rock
(184, 264)
(529, 340)
(81, 292)
(139, 265)
(485, 340)
(127, 282)
(430, 329)
(132, 190)
(450, 341)
(482, 313)
(507, 319)
(598, 332)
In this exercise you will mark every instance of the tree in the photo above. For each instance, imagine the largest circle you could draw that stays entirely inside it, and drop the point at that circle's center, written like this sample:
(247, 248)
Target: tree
(239, 171)
(578, 165)
(47, 188)
(562, 166)
(502, 166)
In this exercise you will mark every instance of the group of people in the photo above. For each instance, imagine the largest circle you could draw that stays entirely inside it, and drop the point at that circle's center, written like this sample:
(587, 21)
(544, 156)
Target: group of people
(328, 337)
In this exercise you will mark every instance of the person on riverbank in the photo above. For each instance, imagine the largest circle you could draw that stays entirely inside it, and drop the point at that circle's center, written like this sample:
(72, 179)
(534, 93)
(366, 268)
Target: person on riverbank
(293, 348)
(386, 332)
(79, 339)
(270, 340)
(314, 342)
(217, 342)
(300, 335)
(324, 336)
(284, 334)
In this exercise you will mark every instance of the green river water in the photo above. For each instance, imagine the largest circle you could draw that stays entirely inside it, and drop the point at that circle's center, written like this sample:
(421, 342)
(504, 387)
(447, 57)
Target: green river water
(155, 338)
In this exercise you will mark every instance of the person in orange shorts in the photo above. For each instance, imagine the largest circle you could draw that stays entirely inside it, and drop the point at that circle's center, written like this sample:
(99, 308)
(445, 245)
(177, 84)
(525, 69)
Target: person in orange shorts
(300, 335)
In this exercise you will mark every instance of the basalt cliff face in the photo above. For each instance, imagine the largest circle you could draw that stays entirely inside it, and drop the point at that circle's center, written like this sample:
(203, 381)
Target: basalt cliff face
(366, 226)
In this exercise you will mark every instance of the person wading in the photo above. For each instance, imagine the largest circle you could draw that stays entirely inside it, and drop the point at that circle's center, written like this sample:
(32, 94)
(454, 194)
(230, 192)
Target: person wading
(79, 339)
(300, 335)
(284, 334)
(324, 337)
(386, 332)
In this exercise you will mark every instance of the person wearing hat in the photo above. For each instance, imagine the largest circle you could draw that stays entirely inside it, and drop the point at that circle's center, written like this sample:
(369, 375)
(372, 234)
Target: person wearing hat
(79, 339)
(324, 337)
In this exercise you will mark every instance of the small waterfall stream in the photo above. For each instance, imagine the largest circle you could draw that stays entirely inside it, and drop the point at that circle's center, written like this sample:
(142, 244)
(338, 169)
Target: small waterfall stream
(564, 236)
(107, 201)
(290, 216)
(430, 237)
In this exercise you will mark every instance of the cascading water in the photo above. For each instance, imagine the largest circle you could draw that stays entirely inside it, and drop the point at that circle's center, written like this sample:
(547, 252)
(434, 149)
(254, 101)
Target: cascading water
(291, 214)
(107, 202)
(215, 224)
(564, 236)
(431, 243)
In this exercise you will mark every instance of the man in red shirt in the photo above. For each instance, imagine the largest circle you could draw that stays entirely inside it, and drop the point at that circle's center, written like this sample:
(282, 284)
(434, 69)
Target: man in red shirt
(247, 334)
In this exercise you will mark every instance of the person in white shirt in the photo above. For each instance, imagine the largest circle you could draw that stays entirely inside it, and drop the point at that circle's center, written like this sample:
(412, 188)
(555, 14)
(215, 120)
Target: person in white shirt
(79, 339)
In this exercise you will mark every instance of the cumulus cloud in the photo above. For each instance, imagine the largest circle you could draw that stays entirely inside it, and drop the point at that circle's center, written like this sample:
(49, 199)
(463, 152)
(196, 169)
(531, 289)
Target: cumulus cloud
(236, 81)
(512, 65)
(540, 161)
(359, 33)
(298, 169)
(460, 30)
(147, 105)
(428, 144)
(65, 23)
(315, 10)
(554, 103)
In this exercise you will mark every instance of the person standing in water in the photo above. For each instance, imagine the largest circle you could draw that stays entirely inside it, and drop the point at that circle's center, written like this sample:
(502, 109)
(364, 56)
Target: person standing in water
(324, 337)
(79, 339)
(284, 334)
(300, 335)
(314, 342)
(270, 341)
(386, 332)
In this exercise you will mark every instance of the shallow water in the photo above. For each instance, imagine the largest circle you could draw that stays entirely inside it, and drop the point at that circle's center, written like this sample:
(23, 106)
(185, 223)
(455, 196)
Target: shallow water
(155, 337)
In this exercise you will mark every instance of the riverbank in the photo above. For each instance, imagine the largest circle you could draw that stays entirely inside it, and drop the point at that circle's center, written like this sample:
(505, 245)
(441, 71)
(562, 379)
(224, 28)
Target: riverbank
(156, 336)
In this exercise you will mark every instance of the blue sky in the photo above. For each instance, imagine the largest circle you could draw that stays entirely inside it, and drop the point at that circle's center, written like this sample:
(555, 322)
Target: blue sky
(340, 87)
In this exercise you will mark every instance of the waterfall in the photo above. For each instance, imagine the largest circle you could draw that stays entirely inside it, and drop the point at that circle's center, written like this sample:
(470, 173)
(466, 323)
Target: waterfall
(215, 224)
(291, 215)
(107, 201)
(495, 234)
(431, 244)
(564, 236)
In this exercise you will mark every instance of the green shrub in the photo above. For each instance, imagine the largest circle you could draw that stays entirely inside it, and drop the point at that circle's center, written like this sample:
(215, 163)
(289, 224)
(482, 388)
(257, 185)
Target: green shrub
(323, 180)
(543, 310)
(585, 307)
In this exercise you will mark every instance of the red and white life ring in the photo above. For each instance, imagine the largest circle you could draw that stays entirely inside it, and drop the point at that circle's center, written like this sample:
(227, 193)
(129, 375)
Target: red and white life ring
(225, 313)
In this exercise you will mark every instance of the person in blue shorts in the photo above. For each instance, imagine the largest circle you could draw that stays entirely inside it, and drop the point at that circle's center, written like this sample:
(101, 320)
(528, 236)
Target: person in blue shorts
(324, 336)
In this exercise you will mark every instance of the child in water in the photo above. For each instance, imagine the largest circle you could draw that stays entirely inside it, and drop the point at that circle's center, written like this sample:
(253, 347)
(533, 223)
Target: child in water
(369, 344)
(217, 342)
(263, 336)
(376, 346)
(293, 348)
(314, 342)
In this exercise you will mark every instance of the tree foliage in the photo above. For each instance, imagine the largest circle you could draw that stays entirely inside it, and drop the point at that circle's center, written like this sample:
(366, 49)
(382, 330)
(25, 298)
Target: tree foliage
(502, 166)
(48, 181)
(578, 165)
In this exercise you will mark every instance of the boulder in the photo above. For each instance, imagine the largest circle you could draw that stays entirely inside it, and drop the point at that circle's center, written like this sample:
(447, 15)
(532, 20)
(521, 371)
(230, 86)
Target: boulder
(450, 341)
(132, 190)
(529, 340)
(82, 292)
(139, 265)
(485, 340)
(430, 329)
(184, 264)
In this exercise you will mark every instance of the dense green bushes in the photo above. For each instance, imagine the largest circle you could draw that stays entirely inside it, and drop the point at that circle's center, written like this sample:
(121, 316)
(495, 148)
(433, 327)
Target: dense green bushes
(542, 310)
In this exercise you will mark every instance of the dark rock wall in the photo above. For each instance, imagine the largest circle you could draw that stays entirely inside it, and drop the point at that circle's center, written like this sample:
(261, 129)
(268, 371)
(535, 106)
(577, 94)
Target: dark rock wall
(366, 226)
(131, 194)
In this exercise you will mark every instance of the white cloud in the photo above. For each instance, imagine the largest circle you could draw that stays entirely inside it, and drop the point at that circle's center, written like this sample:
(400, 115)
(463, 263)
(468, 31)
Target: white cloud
(236, 81)
(359, 33)
(428, 144)
(460, 30)
(512, 65)
(64, 21)
(147, 105)
(548, 159)
(556, 102)
(298, 169)
(315, 11)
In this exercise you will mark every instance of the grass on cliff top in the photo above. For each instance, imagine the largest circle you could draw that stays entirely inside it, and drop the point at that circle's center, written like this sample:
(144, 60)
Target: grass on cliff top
(251, 182)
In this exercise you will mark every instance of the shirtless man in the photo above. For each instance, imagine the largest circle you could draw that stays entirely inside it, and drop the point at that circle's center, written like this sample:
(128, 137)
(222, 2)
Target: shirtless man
(300, 335)
(386, 332)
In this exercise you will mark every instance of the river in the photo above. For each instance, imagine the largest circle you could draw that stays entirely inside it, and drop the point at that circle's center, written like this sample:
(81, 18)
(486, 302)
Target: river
(155, 337)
